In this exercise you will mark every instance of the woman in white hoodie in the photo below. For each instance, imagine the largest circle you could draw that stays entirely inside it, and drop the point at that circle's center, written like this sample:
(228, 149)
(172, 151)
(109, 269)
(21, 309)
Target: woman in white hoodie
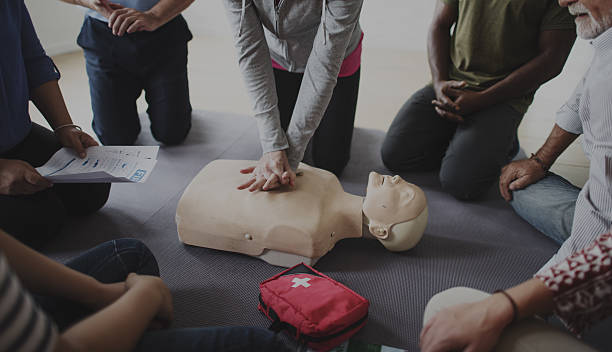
(300, 61)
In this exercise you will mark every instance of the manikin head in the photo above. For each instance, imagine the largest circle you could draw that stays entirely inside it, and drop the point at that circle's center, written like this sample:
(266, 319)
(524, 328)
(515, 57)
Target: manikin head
(396, 211)
(593, 17)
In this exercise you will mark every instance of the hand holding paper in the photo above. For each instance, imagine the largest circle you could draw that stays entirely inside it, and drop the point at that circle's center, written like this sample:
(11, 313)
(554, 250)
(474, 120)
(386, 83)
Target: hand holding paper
(102, 164)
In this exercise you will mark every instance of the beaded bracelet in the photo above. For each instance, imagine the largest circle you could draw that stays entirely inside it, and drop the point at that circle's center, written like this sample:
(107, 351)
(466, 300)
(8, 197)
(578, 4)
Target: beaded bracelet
(539, 161)
(512, 302)
(68, 125)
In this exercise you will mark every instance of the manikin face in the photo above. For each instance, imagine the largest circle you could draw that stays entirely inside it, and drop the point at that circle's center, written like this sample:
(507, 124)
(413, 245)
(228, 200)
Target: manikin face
(593, 17)
(390, 200)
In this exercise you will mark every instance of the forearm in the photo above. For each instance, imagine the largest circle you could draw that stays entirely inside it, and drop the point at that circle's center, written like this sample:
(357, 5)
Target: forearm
(73, 2)
(525, 79)
(117, 327)
(438, 51)
(84, 3)
(558, 140)
(49, 100)
(532, 297)
(44, 276)
(256, 68)
(537, 71)
(165, 10)
(321, 74)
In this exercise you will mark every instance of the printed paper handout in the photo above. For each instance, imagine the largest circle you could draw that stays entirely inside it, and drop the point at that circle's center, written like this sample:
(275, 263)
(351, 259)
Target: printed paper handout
(102, 164)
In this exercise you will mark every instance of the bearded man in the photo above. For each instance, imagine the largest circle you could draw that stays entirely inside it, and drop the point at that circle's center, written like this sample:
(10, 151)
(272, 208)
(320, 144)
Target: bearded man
(571, 216)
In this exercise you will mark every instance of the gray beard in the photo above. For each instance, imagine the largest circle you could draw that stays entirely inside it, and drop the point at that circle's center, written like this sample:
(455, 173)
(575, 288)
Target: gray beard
(591, 28)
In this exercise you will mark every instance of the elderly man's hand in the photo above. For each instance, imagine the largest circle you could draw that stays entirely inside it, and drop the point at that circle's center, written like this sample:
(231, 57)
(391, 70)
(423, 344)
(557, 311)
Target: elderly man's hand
(518, 175)
(18, 177)
(473, 327)
(128, 20)
(271, 171)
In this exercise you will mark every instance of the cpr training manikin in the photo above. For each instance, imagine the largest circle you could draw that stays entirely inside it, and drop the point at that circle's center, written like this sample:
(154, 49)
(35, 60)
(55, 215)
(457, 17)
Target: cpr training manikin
(287, 226)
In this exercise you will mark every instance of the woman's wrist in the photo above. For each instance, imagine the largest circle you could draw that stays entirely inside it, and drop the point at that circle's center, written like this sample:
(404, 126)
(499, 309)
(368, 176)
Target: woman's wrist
(99, 295)
(67, 125)
(501, 310)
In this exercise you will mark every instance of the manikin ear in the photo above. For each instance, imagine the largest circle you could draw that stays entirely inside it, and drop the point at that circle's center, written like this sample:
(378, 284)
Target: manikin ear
(379, 231)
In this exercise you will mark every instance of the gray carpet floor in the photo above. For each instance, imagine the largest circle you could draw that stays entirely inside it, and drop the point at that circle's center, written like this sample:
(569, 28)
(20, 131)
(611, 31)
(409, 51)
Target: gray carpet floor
(477, 244)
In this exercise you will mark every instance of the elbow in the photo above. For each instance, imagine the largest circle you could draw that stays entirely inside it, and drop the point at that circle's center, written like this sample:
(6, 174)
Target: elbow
(555, 69)
(437, 28)
(551, 66)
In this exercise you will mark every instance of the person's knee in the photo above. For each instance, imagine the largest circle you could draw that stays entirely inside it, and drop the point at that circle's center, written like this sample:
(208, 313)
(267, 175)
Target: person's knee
(136, 256)
(463, 185)
(408, 155)
(388, 154)
(34, 220)
(116, 137)
(95, 198)
(522, 199)
(449, 298)
(333, 164)
(175, 133)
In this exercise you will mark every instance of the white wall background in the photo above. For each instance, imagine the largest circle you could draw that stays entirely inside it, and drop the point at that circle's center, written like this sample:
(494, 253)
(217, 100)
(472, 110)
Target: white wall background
(396, 24)
(391, 26)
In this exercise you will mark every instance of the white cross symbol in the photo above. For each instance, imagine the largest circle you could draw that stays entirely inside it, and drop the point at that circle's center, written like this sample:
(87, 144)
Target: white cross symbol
(300, 282)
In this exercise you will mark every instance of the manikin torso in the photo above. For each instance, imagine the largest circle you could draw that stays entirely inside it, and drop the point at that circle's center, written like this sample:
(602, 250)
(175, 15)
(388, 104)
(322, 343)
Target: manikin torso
(284, 227)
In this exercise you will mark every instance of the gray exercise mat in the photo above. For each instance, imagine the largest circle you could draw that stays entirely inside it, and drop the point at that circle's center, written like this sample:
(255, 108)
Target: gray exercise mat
(477, 244)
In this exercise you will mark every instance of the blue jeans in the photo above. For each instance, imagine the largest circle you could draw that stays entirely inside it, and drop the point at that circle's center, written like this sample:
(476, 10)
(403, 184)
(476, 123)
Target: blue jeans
(120, 68)
(548, 205)
(111, 262)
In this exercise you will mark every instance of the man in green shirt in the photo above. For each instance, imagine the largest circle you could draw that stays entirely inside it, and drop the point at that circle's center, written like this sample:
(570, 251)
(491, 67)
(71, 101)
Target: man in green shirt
(484, 77)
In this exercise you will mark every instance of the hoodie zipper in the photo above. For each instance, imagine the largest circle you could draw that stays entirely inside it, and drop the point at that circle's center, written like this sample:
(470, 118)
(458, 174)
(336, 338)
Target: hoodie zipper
(277, 7)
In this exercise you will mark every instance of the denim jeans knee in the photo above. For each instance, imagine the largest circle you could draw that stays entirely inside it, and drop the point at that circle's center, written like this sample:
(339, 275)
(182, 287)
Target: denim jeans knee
(548, 205)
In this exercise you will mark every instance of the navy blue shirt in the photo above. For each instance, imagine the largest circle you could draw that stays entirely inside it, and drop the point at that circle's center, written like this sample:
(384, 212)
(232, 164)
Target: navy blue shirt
(24, 66)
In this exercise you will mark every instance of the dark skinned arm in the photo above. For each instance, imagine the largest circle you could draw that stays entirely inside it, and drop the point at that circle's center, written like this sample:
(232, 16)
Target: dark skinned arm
(438, 50)
(554, 48)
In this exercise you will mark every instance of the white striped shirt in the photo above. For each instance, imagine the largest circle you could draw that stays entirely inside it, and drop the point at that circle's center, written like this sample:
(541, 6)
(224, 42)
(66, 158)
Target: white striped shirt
(24, 327)
(589, 112)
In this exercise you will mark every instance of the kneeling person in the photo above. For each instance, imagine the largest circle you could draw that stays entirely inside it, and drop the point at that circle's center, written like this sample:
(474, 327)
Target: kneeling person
(484, 78)
(131, 46)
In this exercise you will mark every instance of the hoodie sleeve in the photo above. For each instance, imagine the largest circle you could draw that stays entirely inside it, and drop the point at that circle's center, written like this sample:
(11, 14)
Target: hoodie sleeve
(339, 20)
(256, 67)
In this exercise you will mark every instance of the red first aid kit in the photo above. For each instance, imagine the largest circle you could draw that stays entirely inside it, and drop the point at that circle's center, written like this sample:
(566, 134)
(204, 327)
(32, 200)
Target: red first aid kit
(311, 307)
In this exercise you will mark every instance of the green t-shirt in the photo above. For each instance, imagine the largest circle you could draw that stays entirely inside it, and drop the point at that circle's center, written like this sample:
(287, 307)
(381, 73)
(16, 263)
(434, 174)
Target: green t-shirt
(492, 38)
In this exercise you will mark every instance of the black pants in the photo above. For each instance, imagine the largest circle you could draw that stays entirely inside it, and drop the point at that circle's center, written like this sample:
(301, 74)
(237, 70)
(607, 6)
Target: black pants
(330, 146)
(470, 155)
(37, 217)
(120, 68)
